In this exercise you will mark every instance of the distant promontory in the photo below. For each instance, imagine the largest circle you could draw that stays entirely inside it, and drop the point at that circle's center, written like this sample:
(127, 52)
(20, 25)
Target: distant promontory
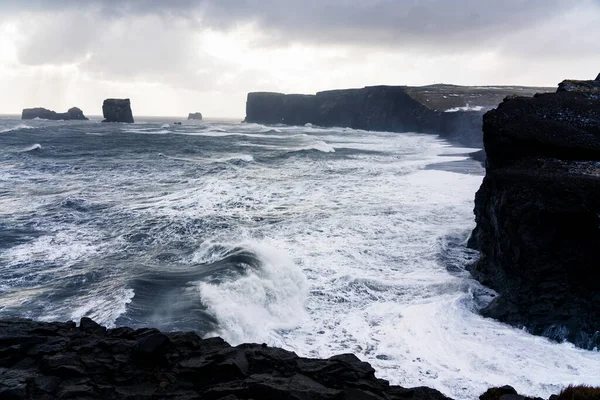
(73, 113)
(195, 116)
(454, 112)
(117, 110)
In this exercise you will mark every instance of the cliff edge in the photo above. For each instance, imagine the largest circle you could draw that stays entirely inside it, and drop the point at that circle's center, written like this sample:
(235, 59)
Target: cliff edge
(538, 213)
(454, 112)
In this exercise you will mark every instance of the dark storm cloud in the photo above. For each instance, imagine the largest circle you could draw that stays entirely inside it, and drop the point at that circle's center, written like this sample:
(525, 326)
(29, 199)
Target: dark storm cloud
(397, 22)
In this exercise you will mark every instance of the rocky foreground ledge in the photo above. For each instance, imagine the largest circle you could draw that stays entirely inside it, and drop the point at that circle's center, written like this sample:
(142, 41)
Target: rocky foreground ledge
(538, 213)
(62, 361)
(40, 360)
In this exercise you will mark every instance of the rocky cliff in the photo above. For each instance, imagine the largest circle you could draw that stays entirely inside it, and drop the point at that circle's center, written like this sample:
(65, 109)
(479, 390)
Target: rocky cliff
(538, 213)
(454, 112)
(117, 110)
(47, 361)
(73, 113)
(195, 116)
(61, 361)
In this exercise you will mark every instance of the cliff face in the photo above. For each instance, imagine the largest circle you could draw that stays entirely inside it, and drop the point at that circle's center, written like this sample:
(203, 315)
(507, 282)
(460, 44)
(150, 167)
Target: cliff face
(386, 108)
(117, 110)
(538, 213)
(73, 113)
(61, 361)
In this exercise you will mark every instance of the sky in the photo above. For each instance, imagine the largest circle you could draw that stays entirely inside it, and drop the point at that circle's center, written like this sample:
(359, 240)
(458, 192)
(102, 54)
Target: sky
(180, 56)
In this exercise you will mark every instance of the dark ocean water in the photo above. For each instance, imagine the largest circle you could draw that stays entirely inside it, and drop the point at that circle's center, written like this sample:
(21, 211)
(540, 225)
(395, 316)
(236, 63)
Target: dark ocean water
(319, 240)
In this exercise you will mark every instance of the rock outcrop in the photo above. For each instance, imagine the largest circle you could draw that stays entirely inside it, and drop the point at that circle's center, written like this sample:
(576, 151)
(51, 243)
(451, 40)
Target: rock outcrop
(117, 110)
(73, 113)
(538, 213)
(195, 116)
(43, 361)
(387, 108)
(61, 361)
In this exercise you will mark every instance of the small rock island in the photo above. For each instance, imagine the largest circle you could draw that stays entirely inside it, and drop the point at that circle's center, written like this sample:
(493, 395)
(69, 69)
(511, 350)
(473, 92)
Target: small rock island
(73, 113)
(195, 116)
(117, 110)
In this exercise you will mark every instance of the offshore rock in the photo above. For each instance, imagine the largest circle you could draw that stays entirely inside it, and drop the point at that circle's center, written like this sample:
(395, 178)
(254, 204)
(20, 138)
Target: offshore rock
(41, 360)
(538, 213)
(117, 110)
(195, 116)
(73, 113)
(454, 112)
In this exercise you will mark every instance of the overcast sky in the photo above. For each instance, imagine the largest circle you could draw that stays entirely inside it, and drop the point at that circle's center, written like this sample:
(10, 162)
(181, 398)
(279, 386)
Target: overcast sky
(179, 56)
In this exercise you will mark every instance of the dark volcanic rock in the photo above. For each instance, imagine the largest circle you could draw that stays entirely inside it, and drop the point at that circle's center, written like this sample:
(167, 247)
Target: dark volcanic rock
(73, 113)
(117, 110)
(61, 361)
(196, 116)
(386, 108)
(538, 213)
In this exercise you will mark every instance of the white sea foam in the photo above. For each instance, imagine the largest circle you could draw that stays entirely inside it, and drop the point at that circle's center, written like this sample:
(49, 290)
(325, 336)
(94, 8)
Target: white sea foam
(33, 147)
(321, 146)
(241, 157)
(465, 108)
(16, 128)
(104, 308)
(262, 302)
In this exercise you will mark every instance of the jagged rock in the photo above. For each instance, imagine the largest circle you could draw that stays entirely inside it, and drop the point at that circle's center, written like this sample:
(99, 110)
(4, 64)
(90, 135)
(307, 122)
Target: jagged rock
(117, 110)
(538, 213)
(41, 360)
(386, 108)
(598, 77)
(73, 113)
(196, 116)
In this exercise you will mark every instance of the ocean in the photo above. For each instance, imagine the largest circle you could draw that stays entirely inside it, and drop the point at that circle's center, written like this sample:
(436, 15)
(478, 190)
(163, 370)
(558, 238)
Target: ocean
(319, 240)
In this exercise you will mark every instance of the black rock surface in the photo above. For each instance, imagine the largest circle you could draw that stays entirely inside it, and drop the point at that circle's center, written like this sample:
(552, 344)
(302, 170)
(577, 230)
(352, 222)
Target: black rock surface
(73, 113)
(195, 116)
(387, 108)
(41, 360)
(117, 110)
(538, 213)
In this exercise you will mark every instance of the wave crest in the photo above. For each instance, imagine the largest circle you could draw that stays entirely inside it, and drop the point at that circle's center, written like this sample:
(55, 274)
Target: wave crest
(266, 299)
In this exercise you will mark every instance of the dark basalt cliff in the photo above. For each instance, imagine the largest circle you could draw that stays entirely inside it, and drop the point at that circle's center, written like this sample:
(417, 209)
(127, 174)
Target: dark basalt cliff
(44, 361)
(117, 110)
(195, 116)
(538, 213)
(61, 361)
(387, 108)
(73, 113)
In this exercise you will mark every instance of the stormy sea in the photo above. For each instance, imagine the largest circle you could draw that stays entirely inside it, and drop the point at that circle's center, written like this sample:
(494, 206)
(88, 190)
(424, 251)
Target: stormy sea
(319, 240)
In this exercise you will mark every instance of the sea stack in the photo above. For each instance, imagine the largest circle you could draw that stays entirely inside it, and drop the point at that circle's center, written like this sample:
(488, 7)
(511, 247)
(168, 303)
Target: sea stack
(117, 110)
(538, 213)
(195, 116)
(73, 113)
